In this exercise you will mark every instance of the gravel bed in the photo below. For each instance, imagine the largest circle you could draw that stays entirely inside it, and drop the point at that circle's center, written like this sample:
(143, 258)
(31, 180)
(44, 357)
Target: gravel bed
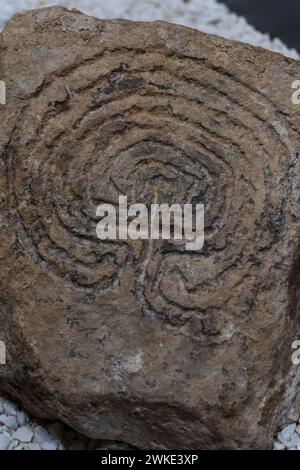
(288, 438)
(17, 430)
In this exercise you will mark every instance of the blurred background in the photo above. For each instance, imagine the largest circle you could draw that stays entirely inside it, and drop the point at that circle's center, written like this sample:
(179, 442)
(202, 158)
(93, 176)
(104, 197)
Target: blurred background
(279, 18)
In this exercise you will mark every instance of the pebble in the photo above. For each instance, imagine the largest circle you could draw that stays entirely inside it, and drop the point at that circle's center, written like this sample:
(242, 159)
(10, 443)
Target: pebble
(23, 434)
(278, 446)
(49, 445)
(286, 433)
(9, 421)
(42, 436)
(33, 446)
(5, 440)
(21, 447)
(13, 445)
(9, 408)
(288, 438)
(295, 440)
(22, 418)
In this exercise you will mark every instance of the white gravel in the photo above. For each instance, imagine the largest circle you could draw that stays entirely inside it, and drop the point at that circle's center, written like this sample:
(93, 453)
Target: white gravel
(17, 430)
(288, 438)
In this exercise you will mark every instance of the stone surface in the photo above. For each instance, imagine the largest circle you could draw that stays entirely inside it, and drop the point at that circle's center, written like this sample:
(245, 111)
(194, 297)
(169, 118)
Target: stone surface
(142, 341)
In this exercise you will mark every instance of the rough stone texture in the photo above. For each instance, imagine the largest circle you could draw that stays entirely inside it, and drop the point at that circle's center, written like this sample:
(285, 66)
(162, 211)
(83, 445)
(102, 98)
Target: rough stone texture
(142, 341)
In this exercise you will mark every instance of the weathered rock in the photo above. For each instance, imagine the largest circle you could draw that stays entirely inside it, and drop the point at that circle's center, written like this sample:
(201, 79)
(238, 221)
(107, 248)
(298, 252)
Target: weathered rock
(135, 340)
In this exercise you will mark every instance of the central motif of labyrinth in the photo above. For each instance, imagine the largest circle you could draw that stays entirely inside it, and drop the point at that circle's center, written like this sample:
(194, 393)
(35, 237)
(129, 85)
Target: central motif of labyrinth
(153, 126)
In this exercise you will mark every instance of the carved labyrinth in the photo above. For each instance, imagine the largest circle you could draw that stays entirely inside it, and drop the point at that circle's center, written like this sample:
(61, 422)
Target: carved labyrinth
(146, 124)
